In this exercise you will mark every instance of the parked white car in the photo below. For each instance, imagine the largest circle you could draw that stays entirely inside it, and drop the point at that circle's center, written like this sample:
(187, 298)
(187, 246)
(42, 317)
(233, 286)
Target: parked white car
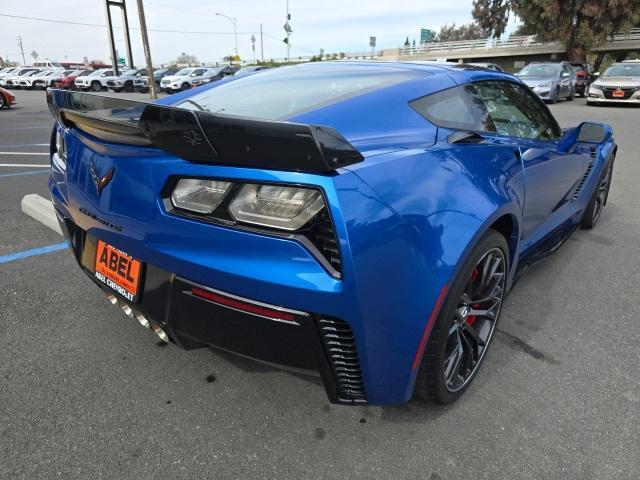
(41, 79)
(96, 80)
(13, 79)
(182, 80)
(124, 82)
(5, 72)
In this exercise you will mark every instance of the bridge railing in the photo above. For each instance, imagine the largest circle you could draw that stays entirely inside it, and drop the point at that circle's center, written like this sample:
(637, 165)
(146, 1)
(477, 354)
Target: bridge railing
(625, 37)
(513, 42)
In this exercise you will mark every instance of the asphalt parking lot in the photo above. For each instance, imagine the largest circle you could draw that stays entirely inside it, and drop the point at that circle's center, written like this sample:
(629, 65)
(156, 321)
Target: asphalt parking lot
(85, 392)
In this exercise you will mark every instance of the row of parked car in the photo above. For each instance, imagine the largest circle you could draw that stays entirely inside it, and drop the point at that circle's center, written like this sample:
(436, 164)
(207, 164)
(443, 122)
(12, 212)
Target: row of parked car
(134, 79)
(551, 81)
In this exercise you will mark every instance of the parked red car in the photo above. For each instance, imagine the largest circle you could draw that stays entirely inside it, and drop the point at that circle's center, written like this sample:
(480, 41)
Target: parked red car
(66, 82)
(6, 98)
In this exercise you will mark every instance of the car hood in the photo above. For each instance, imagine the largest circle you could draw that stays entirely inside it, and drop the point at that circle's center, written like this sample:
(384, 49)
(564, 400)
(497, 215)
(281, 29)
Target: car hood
(618, 81)
(535, 81)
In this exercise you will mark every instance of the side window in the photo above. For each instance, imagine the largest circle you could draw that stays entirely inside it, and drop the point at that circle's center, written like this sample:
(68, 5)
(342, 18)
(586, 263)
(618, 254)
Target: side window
(515, 113)
(198, 72)
(503, 108)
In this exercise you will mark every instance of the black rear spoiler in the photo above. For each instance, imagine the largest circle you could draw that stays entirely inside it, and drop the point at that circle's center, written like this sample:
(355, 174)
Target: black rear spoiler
(205, 137)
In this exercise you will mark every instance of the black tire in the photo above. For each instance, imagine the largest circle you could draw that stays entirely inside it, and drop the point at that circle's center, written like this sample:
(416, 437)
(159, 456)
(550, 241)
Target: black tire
(431, 384)
(2, 101)
(184, 86)
(598, 199)
(95, 86)
(128, 87)
(572, 94)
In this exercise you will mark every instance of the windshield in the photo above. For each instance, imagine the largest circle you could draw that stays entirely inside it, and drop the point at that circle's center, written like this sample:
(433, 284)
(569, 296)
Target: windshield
(84, 73)
(623, 70)
(133, 71)
(213, 71)
(284, 92)
(540, 71)
(96, 73)
(184, 71)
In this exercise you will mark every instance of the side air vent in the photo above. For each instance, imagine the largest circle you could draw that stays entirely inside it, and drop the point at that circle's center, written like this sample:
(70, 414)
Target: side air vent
(584, 178)
(342, 354)
(323, 236)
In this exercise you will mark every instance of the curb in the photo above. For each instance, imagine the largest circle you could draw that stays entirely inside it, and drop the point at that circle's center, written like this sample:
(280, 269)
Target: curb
(41, 210)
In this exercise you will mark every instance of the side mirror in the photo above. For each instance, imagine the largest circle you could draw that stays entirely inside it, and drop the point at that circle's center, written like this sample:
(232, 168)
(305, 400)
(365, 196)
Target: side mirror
(593, 132)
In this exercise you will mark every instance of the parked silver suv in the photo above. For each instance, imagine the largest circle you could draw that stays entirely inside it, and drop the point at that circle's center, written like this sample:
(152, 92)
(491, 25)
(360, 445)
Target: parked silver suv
(550, 80)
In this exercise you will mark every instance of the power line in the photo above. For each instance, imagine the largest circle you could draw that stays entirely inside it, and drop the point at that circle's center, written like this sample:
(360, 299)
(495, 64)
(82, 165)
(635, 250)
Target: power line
(159, 30)
(101, 25)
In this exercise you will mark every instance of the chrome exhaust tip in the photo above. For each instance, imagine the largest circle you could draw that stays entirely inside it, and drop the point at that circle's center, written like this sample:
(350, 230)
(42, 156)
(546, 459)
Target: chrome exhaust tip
(144, 321)
(157, 329)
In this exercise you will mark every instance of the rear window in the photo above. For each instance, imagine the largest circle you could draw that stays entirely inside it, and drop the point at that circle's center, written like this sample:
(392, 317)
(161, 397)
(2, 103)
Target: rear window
(288, 91)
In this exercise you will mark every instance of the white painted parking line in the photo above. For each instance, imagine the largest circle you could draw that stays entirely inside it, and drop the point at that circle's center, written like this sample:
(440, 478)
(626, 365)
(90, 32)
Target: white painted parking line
(25, 145)
(24, 153)
(34, 165)
(41, 209)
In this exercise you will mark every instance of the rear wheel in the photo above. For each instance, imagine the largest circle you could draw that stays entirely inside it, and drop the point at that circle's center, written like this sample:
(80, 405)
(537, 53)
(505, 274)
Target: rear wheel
(571, 95)
(2, 102)
(466, 323)
(598, 199)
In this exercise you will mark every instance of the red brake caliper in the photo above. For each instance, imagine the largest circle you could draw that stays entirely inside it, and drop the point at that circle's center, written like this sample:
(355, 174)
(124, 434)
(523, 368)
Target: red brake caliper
(472, 318)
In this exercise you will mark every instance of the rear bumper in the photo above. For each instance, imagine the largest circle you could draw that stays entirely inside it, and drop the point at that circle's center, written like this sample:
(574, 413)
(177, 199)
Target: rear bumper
(385, 319)
(302, 341)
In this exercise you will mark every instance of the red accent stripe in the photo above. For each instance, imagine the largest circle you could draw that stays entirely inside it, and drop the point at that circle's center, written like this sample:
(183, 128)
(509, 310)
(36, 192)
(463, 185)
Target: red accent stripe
(244, 306)
(427, 329)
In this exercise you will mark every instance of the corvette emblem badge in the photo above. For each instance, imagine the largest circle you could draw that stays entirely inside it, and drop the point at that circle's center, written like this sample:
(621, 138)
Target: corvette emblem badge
(100, 182)
(192, 137)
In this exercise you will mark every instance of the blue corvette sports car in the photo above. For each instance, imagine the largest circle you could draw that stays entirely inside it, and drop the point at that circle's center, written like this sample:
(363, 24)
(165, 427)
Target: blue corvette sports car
(361, 220)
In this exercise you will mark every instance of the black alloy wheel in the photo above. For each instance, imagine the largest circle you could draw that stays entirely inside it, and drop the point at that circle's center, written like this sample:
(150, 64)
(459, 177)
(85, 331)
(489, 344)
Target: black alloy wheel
(466, 323)
(598, 199)
(474, 320)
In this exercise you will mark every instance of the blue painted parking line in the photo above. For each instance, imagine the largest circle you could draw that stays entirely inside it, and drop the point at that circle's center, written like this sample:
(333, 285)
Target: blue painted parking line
(30, 172)
(33, 252)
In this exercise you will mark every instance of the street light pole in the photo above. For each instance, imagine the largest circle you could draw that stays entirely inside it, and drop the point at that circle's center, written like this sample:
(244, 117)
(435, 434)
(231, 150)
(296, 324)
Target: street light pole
(147, 50)
(233, 20)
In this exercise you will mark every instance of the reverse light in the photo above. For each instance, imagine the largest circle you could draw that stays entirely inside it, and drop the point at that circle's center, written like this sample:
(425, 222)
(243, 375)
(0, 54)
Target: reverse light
(200, 196)
(285, 208)
(61, 147)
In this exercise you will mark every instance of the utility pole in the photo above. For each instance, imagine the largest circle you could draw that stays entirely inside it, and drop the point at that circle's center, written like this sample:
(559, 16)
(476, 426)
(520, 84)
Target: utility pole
(24, 61)
(261, 45)
(112, 42)
(147, 50)
(287, 28)
(253, 47)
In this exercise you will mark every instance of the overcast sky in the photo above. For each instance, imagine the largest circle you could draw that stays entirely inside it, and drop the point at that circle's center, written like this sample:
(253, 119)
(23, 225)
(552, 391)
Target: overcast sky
(335, 25)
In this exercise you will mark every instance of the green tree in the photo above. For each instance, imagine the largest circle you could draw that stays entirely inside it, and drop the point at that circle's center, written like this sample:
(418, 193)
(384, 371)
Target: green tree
(186, 58)
(469, 31)
(580, 24)
(492, 15)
